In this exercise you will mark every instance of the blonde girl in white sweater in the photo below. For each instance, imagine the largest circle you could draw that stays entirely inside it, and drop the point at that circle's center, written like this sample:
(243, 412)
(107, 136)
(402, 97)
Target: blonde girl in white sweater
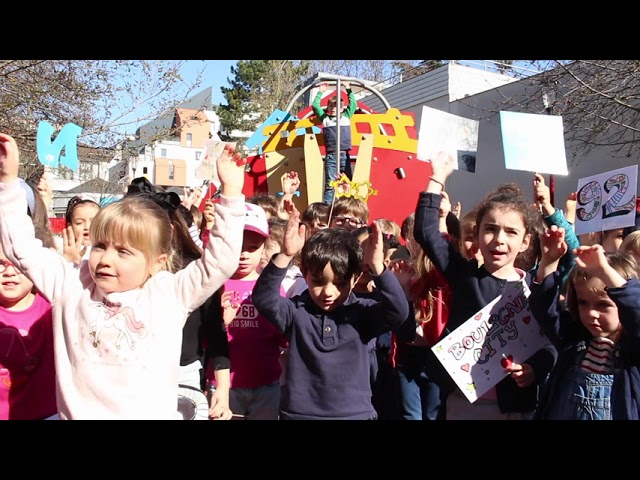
(118, 318)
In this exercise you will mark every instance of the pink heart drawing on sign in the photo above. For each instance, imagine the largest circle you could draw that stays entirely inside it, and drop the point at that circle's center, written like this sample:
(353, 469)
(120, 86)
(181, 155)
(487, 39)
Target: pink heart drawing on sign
(527, 319)
(465, 367)
(478, 316)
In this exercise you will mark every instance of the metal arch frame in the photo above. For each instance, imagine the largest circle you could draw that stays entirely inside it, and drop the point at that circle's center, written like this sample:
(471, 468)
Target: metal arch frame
(338, 79)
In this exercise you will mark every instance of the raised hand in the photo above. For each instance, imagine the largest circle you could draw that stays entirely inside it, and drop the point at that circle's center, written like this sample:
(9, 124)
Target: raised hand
(296, 232)
(209, 214)
(324, 87)
(553, 248)
(404, 272)
(553, 244)
(570, 207)
(290, 183)
(457, 210)
(9, 158)
(442, 165)
(72, 248)
(45, 189)
(373, 250)
(593, 260)
(542, 195)
(445, 205)
(192, 197)
(231, 171)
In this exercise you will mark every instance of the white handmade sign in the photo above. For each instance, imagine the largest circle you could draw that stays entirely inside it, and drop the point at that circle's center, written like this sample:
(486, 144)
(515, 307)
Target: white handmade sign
(450, 133)
(607, 200)
(208, 168)
(533, 142)
(505, 330)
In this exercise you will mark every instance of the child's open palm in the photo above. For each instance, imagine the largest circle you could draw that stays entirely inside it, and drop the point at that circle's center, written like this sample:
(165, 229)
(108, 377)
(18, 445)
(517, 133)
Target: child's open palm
(9, 158)
(592, 259)
(373, 251)
(72, 248)
(231, 171)
(404, 272)
(191, 197)
(442, 164)
(553, 244)
(295, 234)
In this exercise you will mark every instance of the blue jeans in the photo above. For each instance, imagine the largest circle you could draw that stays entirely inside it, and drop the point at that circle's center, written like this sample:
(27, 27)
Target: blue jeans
(259, 403)
(419, 396)
(582, 396)
(330, 172)
(422, 383)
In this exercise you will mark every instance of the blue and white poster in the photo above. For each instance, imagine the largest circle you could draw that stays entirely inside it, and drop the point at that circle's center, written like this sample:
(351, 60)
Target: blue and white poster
(533, 143)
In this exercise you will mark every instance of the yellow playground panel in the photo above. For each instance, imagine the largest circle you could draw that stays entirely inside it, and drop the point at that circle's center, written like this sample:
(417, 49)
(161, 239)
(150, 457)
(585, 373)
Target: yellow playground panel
(292, 146)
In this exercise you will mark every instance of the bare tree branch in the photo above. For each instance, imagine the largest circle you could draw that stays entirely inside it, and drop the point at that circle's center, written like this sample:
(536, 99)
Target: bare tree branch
(599, 101)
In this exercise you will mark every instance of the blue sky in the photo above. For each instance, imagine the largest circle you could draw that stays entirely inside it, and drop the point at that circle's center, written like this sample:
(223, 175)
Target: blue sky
(216, 73)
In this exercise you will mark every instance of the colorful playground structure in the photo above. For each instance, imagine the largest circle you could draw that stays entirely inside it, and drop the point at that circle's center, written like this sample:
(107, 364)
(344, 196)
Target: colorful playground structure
(386, 172)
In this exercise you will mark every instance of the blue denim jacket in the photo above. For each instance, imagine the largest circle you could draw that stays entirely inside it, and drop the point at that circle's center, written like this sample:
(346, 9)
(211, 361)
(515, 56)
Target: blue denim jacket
(571, 340)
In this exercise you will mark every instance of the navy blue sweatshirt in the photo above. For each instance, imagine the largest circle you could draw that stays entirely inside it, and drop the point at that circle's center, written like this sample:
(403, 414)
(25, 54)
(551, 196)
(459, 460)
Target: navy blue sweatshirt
(328, 364)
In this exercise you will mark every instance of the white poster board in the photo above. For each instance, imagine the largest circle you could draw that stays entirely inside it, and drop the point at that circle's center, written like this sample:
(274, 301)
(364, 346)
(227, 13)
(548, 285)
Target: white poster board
(444, 131)
(208, 168)
(607, 200)
(472, 354)
(533, 143)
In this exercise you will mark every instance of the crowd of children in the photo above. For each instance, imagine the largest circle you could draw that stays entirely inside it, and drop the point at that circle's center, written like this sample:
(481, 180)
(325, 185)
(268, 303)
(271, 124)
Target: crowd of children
(265, 311)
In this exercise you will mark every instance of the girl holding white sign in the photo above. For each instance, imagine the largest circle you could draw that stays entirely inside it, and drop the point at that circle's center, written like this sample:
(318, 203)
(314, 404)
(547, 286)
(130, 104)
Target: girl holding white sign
(597, 375)
(503, 229)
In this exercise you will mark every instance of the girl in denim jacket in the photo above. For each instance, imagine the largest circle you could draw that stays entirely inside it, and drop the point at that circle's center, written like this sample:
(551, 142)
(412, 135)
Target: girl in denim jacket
(597, 335)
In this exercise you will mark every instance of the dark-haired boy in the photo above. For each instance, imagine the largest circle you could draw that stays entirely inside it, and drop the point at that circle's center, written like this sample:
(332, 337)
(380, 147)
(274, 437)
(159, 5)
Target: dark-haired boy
(329, 328)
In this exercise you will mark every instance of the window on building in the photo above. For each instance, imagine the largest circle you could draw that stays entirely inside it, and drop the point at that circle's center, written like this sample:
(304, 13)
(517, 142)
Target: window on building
(144, 170)
(163, 152)
(189, 139)
(198, 155)
(172, 171)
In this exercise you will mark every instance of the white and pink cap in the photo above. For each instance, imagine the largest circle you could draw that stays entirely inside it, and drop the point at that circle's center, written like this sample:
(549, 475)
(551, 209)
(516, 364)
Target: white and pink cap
(256, 220)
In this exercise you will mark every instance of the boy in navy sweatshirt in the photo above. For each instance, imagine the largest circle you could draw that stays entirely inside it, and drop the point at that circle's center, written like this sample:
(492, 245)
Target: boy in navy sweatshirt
(328, 327)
